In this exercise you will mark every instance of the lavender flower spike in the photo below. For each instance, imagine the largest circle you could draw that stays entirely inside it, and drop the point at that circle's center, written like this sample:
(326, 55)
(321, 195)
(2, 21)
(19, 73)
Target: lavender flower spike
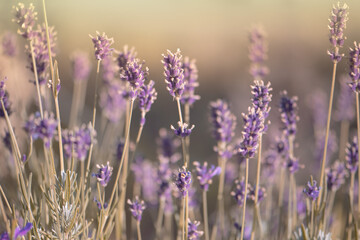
(135, 75)
(205, 175)
(183, 130)
(337, 24)
(183, 181)
(174, 74)
(147, 96)
(25, 18)
(258, 53)
(351, 156)
(81, 66)
(336, 176)
(136, 208)
(4, 97)
(289, 113)
(102, 45)
(104, 174)
(355, 67)
(239, 192)
(9, 44)
(190, 78)
(194, 233)
(311, 190)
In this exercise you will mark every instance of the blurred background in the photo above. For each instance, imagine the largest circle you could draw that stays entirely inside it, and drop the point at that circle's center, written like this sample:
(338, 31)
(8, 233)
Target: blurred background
(215, 33)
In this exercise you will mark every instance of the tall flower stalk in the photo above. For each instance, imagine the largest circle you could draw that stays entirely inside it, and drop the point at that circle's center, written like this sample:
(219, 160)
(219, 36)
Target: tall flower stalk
(337, 24)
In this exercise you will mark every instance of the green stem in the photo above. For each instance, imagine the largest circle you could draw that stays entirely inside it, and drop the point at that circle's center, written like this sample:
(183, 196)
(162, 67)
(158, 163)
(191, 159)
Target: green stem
(138, 230)
(160, 218)
(245, 198)
(36, 79)
(205, 212)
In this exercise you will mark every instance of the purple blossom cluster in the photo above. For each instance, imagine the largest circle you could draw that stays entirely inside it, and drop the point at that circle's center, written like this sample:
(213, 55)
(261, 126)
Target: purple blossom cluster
(337, 24)
(336, 176)
(252, 192)
(183, 181)
(190, 78)
(261, 99)
(7, 141)
(9, 44)
(98, 204)
(239, 192)
(125, 56)
(102, 45)
(81, 66)
(311, 190)
(18, 233)
(205, 174)
(174, 73)
(289, 113)
(26, 18)
(135, 74)
(355, 67)
(194, 233)
(258, 53)
(183, 130)
(147, 96)
(104, 173)
(78, 141)
(351, 156)
(292, 164)
(4, 98)
(136, 208)
(44, 128)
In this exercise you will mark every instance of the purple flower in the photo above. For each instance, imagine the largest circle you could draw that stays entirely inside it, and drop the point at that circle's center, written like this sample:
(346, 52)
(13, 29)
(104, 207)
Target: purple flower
(337, 24)
(223, 121)
(104, 174)
(258, 53)
(7, 141)
(281, 146)
(78, 140)
(98, 204)
(239, 192)
(125, 56)
(261, 193)
(9, 44)
(147, 96)
(19, 232)
(190, 78)
(41, 128)
(168, 145)
(81, 66)
(25, 18)
(205, 174)
(355, 67)
(183, 181)
(112, 101)
(136, 208)
(261, 99)
(292, 164)
(289, 113)
(183, 129)
(336, 176)
(253, 126)
(102, 45)
(194, 233)
(345, 104)
(135, 75)
(351, 156)
(174, 73)
(4, 97)
(311, 190)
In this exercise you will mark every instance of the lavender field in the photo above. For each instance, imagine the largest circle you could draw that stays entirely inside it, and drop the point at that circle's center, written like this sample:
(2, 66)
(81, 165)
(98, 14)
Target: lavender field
(202, 120)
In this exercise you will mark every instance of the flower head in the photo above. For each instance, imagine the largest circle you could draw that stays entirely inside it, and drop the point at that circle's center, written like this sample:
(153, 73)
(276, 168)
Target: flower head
(292, 164)
(183, 181)
(205, 174)
(9, 44)
(261, 193)
(258, 53)
(311, 190)
(18, 233)
(336, 176)
(289, 113)
(190, 78)
(223, 121)
(135, 74)
(261, 99)
(98, 204)
(81, 66)
(239, 192)
(337, 24)
(4, 97)
(355, 67)
(25, 18)
(174, 73)
(125, 56)
(104, 174)
(136, 208)
(102, 45)
(351, 156)
(43, 128)
(194, 233)
(147, 96)
(183, 129)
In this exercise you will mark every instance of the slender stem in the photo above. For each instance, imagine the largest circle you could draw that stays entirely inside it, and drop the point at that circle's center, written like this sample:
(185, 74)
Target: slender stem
(187, 139)
(245, 197)
(205, 212)
(182, 139)
(160, 218)
(312, 227)
(182, 219)
(344, 133)
(96, 92)
(327, 134)
(289, 226)
(179, 109)
(186, 215)
(48, 42)
(220, 197)
(358, 142)
(59, 134)
(36, 78)
(138, 229)
(168, 225)
(257, 190)
(4, 216)
(82, 175)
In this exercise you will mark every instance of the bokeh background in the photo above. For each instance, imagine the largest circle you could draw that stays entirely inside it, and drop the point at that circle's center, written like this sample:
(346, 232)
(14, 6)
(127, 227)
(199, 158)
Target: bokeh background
(216, 34)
